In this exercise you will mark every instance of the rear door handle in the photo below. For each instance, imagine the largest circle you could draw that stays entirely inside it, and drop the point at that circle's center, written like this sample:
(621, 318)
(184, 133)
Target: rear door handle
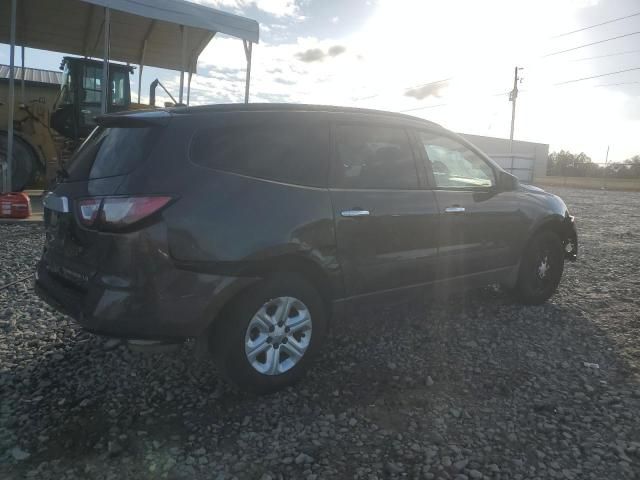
(355, 213)
(454, 210)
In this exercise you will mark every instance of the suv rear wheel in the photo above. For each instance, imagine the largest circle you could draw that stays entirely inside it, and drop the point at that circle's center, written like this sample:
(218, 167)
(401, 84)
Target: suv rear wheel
(541, 269)
(268, 336)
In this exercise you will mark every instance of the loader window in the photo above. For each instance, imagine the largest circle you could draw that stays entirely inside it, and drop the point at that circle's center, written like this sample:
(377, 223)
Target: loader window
(91, 85)
(66, 91)
(118, 88)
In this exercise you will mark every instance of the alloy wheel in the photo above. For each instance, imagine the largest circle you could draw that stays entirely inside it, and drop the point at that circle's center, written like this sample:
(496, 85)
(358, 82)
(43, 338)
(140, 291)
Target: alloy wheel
(278, 335)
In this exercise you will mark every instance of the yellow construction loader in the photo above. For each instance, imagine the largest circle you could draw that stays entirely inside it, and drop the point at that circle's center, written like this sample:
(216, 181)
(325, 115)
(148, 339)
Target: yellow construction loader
(45, 138)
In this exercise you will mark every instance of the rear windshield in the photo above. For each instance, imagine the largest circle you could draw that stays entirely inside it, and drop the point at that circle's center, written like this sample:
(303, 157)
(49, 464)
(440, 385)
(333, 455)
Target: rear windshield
(109, 152)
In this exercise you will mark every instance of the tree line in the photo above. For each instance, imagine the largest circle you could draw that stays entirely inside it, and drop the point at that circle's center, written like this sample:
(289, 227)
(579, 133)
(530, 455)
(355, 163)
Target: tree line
(567, 164)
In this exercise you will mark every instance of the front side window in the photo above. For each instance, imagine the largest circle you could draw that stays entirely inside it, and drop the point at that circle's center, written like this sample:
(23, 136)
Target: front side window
(375, 157)
(454, 165)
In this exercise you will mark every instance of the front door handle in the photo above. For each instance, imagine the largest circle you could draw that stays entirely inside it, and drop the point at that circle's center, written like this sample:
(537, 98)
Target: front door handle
(454, 210)
(355, 213)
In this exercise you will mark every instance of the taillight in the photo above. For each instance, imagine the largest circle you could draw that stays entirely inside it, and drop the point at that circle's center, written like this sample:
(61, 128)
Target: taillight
(88, 209)
(114, 213)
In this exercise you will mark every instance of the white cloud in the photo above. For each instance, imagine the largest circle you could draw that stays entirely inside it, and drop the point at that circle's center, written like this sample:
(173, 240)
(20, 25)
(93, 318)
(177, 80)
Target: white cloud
(476, 44)
(279, 8)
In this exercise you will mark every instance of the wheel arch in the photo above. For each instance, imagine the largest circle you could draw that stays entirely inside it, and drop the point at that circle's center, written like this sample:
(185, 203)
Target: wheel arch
(299, 264)
(552, 223)
(304, 266)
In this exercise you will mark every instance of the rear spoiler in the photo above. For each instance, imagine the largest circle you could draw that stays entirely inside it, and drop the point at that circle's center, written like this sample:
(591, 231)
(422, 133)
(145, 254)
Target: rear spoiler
(139, 119)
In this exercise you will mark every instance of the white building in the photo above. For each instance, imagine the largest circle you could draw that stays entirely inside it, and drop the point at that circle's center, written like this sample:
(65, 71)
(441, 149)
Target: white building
(525, 160)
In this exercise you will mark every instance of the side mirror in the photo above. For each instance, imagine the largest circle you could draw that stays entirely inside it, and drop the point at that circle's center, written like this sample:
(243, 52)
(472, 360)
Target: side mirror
(507, 182)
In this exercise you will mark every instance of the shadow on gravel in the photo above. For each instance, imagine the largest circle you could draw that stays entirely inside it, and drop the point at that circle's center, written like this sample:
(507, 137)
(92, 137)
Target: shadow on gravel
(478, 350)
(440, 373)
(472, 385)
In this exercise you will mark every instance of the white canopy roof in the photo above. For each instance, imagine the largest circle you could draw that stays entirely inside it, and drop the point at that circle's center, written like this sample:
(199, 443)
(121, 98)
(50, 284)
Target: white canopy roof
(75, 27)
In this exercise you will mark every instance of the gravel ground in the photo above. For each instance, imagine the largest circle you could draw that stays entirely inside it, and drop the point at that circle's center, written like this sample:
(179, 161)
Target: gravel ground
(467, 388)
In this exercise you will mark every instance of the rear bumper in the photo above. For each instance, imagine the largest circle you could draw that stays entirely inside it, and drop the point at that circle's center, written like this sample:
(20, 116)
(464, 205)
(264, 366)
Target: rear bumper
(172, 306)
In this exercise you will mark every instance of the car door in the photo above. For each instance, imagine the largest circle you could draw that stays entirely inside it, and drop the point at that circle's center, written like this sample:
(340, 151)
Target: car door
(479, 226)
(386, 223)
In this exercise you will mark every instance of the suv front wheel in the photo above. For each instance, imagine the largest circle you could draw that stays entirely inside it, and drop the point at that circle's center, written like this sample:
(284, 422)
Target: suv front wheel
(541, 269)
(268, 336)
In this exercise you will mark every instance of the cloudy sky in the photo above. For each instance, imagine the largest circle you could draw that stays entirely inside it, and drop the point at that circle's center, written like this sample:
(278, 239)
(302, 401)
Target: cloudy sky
(450, 61)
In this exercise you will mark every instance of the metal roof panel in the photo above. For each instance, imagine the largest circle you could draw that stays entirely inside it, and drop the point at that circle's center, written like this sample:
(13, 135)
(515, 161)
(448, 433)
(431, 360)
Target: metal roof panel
(76, 27)
(34, 75)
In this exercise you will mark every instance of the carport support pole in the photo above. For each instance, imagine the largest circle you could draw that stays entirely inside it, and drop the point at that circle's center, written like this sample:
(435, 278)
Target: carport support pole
(140, 81)
(105, 60)
(142, 56)
(183, 31)
(248, 46)
(6, 179)
(22, 99)
(189, 88)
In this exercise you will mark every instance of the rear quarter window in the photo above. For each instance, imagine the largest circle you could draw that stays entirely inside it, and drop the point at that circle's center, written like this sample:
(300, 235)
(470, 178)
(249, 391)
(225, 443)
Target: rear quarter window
(110, 152)
(284, 151)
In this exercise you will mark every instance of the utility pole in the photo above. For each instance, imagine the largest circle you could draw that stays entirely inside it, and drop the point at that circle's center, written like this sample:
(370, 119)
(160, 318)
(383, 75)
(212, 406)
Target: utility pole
(604, 174)
(512, 98)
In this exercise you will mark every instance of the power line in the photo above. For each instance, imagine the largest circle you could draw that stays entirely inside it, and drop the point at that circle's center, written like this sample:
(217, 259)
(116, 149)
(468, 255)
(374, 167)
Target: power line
(596, 25)
(614, 84)
(589, 44)
(607, 55)
(595, 76)
(425, 107)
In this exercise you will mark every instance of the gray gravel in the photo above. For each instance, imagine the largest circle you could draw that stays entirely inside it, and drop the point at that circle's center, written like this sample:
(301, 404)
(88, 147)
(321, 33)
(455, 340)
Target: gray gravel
(467, 388)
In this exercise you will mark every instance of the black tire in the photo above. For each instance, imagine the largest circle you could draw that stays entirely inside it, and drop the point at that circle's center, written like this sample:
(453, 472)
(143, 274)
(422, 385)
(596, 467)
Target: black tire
(541, 269)
(25, 164)
(227, 338)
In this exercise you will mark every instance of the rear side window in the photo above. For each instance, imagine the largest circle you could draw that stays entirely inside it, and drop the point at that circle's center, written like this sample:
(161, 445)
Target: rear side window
(285, 152)
(109, 152)
(373, 157)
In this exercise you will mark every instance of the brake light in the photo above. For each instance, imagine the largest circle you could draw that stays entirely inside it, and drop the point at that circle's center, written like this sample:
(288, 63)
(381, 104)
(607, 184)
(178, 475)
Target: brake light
(113, 213)
(88, 209)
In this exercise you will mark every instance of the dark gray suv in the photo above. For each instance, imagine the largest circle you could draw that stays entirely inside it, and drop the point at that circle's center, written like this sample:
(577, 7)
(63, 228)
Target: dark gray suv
(254, 225)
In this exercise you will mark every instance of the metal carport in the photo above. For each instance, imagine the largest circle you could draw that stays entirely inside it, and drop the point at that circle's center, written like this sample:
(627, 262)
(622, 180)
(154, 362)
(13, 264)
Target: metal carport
(167, 34)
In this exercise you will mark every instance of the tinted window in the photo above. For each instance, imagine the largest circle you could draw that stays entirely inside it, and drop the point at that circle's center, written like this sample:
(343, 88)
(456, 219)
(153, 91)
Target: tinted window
(285, 152)
(454, 165)
(373, 157)
(108, 152)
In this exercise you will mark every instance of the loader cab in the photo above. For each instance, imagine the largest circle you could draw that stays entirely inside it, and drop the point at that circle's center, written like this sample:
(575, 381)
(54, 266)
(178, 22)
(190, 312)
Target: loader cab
(80, 97)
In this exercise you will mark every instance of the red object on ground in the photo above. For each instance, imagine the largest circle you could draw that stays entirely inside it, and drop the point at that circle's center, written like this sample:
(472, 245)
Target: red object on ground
(15, 205)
